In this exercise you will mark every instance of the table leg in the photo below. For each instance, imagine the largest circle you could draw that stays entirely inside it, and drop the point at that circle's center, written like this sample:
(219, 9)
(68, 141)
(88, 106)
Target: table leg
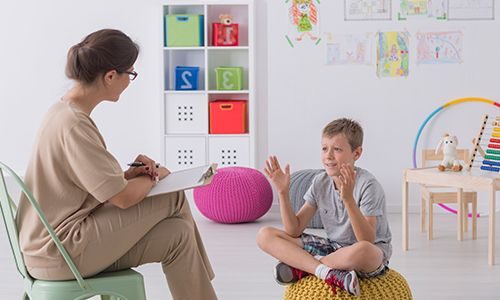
(491, 230)
(405, 213)
(460, 215)
(474, 218)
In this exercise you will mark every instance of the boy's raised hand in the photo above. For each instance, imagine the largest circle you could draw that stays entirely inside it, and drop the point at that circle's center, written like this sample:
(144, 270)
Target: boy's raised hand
(280, 179)
(347, 179)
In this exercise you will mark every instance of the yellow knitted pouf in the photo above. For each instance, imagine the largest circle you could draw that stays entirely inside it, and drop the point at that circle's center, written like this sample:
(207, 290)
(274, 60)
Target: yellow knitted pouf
(389, 286)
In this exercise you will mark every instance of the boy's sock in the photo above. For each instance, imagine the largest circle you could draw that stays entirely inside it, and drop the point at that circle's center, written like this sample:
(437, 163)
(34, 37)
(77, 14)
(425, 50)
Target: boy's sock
(322, 271)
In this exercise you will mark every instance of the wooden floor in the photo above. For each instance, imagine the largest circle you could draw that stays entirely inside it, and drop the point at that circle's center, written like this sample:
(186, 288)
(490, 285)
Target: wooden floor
(440, 269)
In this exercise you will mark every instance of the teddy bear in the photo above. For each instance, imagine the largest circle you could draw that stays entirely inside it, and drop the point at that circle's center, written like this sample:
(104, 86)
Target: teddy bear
(226, 19)
(450, 161)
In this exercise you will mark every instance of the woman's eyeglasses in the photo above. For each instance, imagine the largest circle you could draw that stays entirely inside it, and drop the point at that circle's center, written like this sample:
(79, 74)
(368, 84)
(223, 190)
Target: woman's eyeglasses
(131, 74)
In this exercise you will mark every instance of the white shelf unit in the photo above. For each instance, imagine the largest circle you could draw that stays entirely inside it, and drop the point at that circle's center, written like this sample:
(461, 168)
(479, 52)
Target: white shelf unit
(185, 114)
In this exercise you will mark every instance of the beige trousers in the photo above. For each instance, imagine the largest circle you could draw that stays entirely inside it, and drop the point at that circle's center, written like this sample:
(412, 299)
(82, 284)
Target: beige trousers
(158, 229)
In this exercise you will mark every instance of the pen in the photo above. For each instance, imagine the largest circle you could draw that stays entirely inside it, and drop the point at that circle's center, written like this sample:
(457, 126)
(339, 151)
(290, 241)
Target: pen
(140, 164)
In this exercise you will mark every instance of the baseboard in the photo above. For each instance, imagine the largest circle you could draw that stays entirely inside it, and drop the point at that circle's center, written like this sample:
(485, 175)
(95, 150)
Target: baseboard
(391, 209)
(397, 209)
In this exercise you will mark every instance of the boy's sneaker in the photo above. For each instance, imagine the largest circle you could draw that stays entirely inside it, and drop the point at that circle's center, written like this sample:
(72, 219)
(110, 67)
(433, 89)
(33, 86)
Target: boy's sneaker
(347, 280)
(285, 275)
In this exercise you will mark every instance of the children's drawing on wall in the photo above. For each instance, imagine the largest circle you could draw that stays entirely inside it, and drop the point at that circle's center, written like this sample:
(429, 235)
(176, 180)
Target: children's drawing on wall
(304, 22)
(367, 10)
(392, 54)
(345, 49)
(471, 9)
(439, 47)
(422, 9)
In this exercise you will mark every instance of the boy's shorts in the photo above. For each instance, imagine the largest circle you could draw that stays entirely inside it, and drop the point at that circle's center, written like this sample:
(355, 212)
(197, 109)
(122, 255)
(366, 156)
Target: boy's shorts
(317, 245)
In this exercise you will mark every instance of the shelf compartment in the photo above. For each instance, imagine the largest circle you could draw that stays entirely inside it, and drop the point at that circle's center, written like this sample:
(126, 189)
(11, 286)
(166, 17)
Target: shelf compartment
(239, 14)
(226, 58)
(185, 152)
(174, 58)
(186, 114)
(229, 151)
(185, 10)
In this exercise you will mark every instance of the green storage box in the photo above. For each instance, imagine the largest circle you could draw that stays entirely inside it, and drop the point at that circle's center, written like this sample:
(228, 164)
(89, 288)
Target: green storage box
(184, 30)
(229, 78)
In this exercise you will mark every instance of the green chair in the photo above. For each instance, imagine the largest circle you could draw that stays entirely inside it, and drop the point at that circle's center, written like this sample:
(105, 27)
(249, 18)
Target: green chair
(123, 285)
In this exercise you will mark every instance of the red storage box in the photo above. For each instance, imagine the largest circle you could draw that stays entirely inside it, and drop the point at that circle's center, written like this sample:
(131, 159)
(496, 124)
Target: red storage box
(228, 116)
(224, 35)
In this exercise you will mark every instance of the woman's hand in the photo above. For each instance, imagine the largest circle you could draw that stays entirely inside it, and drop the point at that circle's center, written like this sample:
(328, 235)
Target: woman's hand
(280, 179)
(148, 168)
(162, 172)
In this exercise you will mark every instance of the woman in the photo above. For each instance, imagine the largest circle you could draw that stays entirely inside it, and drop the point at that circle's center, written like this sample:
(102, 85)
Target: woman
(100, 213)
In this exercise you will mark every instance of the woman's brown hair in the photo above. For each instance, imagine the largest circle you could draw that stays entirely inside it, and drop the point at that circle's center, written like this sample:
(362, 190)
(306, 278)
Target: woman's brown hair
(100, 52)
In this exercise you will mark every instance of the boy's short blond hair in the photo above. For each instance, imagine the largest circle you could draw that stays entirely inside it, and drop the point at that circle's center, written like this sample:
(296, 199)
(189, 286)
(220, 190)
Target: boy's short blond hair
(350, 128)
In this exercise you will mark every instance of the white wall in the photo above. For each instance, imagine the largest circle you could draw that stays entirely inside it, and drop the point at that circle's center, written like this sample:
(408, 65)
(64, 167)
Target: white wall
(35, 38)
(37, 34)
(305, 93)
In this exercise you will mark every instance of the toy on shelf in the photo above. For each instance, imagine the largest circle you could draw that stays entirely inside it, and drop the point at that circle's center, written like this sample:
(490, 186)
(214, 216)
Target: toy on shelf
(186, 78)
(229, 78)
(228, 116)
(225, 33)
(449, 143)
(184, 30)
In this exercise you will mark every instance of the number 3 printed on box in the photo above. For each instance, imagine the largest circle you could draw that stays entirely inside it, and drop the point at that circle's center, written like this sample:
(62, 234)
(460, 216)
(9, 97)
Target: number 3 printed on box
(226, 76)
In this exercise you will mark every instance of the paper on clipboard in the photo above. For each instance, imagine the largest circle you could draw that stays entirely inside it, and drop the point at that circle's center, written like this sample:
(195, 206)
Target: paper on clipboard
(184, 180)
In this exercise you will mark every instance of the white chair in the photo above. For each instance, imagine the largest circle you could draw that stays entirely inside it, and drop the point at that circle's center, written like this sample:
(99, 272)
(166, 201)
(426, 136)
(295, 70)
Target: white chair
(431, 195)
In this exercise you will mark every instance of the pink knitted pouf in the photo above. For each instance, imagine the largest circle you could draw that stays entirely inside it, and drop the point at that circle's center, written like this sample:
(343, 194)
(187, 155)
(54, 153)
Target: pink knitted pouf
(236, 195)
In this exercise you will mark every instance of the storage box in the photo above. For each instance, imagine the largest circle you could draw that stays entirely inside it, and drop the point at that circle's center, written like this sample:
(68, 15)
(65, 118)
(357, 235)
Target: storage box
(229, 151)
(224, 35)
(186, 78)
(228, 116)
(185, 152)
(184, 30)
(229, 78)
(186, 114)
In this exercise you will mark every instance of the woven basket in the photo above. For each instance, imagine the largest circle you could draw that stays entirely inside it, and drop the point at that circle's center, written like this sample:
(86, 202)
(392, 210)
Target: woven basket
(236, 195)
(390, 286)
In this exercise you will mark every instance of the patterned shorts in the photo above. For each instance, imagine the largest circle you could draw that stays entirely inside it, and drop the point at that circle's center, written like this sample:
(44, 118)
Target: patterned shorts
(317, 245)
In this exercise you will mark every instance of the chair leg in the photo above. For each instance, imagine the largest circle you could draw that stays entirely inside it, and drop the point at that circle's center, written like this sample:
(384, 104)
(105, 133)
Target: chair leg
(466, 216)
(422, 215)
(474, 218)
(431, 220)
(108, 297)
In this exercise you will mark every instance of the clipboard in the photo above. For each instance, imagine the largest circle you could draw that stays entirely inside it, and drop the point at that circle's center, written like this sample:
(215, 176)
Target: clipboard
(184, 180)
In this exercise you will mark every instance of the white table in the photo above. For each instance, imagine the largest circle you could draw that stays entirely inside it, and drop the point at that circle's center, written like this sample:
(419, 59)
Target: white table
(473, 180)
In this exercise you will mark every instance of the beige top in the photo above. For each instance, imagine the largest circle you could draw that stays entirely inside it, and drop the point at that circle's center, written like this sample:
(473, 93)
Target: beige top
(71, 173)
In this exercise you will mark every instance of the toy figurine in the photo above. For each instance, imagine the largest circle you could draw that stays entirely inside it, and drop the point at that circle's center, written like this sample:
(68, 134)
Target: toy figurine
(450, 161)
(225, 33)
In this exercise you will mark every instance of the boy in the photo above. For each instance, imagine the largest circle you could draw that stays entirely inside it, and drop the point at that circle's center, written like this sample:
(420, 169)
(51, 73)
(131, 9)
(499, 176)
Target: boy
(351, 203)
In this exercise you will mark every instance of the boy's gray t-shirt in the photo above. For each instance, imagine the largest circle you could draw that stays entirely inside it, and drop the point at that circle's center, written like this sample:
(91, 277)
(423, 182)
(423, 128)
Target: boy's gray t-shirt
(370, 198)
